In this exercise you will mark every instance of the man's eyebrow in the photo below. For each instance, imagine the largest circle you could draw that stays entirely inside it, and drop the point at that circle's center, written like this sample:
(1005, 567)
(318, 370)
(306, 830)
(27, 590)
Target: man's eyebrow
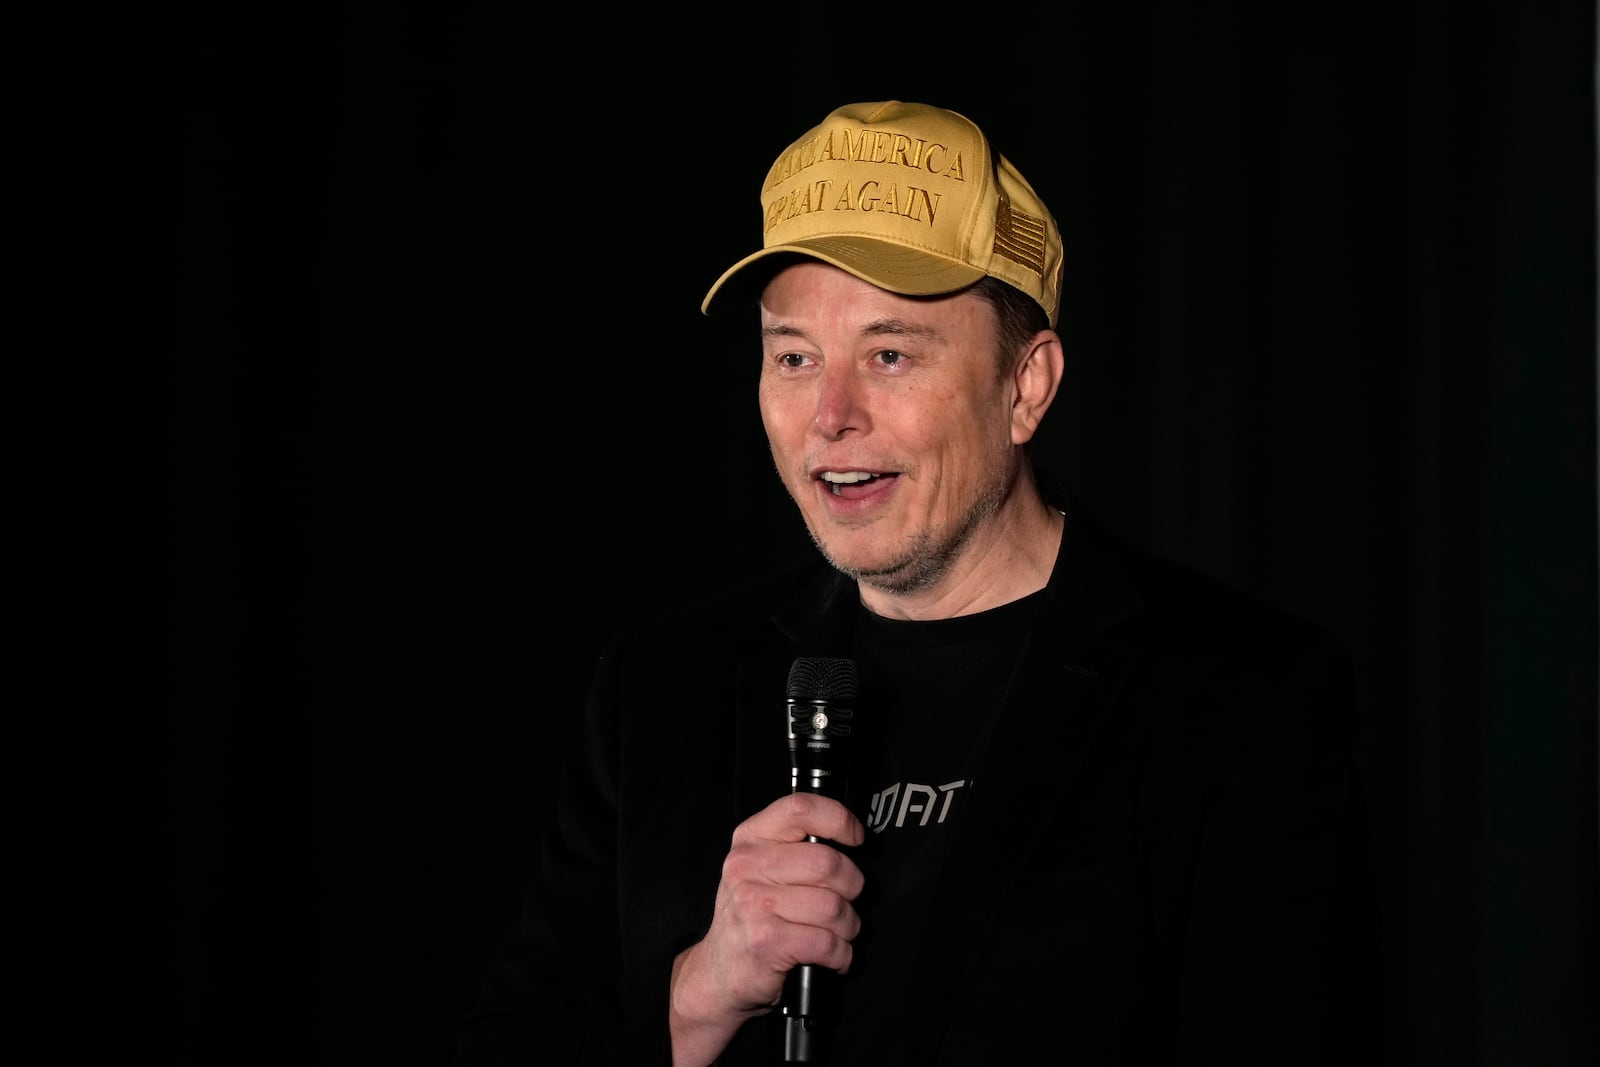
(889, 327)
(901, 328)
(781, 329)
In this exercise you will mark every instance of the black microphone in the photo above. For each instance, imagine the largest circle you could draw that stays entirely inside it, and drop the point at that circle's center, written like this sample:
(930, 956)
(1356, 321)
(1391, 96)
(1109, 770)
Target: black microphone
(821, 707)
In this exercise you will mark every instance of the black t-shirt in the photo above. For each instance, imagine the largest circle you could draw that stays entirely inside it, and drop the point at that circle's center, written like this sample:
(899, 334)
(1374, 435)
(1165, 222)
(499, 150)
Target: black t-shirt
(929, 695)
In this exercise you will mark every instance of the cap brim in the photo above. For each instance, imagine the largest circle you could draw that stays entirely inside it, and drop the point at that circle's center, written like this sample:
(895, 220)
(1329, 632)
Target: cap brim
(889, 266)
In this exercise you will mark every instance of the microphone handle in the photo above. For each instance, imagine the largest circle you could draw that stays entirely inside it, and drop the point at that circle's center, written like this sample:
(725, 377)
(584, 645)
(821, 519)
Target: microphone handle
(804, 1039)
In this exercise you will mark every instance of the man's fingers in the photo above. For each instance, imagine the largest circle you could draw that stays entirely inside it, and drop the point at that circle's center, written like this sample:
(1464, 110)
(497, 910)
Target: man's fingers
(800, 815)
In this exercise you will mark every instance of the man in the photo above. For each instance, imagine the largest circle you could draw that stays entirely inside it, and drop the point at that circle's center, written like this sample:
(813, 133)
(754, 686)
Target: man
(1098, 809)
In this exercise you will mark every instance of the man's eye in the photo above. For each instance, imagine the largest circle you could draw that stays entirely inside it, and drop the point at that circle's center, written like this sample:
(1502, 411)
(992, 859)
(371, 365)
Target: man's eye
(792, 359)
(889, 357)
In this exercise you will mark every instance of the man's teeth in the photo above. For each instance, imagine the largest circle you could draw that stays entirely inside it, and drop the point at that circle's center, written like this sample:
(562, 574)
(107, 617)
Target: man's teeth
(838, 478)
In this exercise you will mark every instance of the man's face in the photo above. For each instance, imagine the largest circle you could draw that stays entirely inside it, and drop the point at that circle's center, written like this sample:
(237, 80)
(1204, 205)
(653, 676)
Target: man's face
(888, 421)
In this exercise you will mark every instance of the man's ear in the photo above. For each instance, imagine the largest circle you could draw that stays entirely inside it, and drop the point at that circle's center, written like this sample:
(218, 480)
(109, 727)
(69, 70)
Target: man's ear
(1036, 377)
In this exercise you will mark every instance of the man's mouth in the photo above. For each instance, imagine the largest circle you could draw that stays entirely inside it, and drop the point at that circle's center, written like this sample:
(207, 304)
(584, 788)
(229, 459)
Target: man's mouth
(837, 480)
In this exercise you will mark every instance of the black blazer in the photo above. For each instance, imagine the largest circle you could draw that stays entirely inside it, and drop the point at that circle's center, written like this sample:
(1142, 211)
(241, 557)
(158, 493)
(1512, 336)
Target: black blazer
(1168, 863)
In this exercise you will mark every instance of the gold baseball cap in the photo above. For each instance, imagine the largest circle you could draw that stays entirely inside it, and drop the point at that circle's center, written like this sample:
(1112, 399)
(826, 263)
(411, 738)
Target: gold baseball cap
(911, 198)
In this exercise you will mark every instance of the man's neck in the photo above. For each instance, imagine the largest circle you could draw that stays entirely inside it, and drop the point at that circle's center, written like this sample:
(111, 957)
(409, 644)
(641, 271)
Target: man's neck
(1011, 556)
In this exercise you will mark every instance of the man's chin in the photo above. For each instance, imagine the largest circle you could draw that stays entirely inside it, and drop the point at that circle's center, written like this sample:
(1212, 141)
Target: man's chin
(891, 575)
(856, 558)
(858, 565)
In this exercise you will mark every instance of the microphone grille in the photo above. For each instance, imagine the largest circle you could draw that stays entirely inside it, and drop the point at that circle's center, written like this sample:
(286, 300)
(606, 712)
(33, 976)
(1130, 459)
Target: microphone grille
(822, 678)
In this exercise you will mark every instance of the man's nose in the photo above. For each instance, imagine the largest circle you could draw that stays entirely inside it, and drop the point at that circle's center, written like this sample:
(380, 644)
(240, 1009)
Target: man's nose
(840, 402)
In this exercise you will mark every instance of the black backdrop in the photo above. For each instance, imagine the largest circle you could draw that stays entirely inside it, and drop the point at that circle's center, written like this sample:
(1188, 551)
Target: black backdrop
(433, 407)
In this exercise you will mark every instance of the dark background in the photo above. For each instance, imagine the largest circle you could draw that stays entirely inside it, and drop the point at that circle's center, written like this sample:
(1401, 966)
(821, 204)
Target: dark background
(375, 393)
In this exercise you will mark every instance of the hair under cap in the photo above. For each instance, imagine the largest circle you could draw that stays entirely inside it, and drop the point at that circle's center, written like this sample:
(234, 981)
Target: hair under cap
(911, 198)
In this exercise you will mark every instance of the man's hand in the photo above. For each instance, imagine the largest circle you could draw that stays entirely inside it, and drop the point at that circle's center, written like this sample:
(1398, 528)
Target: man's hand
(782, 901)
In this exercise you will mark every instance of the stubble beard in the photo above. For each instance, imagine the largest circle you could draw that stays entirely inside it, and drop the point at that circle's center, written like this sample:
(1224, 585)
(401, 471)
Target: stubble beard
(926, 557)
